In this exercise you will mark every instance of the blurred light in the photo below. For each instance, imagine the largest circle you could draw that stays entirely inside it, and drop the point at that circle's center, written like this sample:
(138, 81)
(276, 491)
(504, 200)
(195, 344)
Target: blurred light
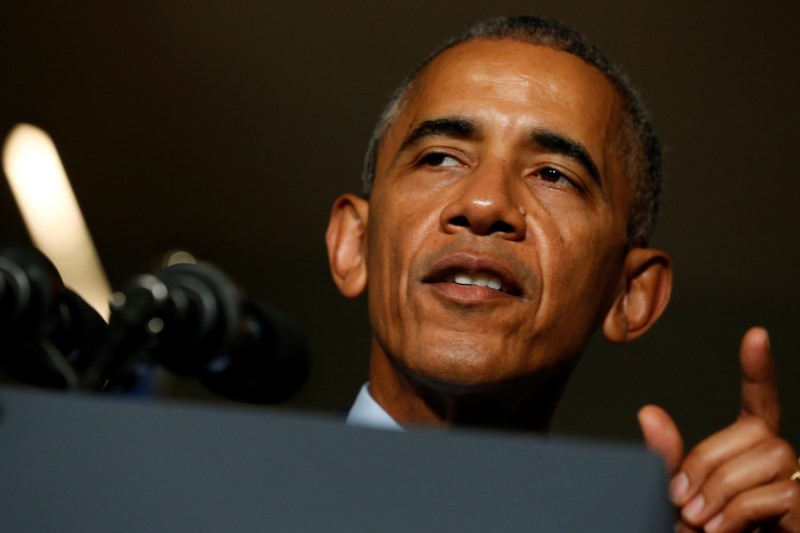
(51, 213)
(177, 257)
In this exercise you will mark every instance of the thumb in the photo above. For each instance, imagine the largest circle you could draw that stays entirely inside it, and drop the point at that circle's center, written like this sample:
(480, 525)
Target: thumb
(662, 435)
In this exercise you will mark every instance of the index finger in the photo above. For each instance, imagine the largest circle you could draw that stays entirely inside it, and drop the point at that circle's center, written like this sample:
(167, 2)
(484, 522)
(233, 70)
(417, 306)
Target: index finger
(759, 385)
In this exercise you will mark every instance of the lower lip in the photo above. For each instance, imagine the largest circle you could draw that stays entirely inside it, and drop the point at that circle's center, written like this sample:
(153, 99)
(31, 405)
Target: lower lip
(469, 294)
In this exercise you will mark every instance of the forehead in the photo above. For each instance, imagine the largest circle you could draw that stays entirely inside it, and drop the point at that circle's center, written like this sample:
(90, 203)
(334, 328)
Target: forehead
(512, 87)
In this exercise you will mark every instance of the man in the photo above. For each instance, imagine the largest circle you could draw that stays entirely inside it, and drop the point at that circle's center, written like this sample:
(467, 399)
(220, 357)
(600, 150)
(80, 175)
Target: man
(512, 186)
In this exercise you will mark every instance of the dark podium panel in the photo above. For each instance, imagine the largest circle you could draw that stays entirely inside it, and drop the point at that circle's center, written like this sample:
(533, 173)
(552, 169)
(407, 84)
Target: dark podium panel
(100, 463)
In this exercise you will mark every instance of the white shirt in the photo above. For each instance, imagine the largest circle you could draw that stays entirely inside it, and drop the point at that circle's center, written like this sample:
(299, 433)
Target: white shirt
(367, 413)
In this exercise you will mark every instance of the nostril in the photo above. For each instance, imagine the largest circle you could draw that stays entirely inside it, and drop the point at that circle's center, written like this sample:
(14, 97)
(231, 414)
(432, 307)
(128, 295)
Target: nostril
(500, 226)
(460, 221)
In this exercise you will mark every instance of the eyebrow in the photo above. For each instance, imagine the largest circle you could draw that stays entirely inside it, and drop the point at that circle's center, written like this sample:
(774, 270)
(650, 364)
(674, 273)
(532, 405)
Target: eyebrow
(455, 127)
(569, 148)
(462, 128)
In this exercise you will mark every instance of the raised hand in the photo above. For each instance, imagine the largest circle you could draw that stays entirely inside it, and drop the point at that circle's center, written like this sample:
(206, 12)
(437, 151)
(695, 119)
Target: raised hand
(740, 477)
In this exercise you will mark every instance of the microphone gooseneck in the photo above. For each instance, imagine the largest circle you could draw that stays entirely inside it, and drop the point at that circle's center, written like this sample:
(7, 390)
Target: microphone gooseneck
(48, 332)
(194, 321)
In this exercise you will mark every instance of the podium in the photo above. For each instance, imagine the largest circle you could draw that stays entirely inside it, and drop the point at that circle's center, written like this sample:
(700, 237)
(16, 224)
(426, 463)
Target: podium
(103, 463)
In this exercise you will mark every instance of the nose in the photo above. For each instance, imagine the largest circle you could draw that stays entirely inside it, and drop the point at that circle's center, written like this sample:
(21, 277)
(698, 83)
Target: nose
(485, 205)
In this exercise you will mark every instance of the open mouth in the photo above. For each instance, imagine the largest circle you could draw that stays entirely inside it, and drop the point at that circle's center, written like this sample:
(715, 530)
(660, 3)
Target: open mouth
(480, 279)
(473, 271)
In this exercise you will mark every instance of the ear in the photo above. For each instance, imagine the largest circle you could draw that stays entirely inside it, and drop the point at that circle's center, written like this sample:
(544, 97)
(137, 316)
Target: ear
(643, 296)
(347, 244)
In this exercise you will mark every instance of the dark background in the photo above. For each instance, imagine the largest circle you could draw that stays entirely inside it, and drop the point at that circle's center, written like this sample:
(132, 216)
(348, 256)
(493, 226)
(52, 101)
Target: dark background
(229, 128)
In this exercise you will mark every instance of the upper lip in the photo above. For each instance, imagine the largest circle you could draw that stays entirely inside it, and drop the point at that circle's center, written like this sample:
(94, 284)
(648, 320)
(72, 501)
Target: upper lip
(443, 270)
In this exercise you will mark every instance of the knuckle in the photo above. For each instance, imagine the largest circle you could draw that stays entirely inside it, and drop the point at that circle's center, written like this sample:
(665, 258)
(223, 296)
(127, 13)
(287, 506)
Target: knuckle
(782, 453)
(701, 456)
(725, 482)
(785, 496)
(757, 426)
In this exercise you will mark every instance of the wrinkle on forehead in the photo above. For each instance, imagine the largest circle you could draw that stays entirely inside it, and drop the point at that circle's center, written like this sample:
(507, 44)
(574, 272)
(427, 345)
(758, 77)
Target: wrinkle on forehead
(494, 78)
(553, 80)
(509, 86)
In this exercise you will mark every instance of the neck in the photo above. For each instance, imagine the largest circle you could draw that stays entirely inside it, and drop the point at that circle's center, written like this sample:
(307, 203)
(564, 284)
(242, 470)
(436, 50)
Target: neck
(526, 405)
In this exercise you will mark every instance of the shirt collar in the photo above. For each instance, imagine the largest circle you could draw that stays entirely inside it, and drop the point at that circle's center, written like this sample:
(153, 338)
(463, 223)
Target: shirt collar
(367, 413)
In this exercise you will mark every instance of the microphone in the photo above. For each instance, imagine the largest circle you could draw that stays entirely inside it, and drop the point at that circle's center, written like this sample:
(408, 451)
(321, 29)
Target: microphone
(193, 320)
(48, 332)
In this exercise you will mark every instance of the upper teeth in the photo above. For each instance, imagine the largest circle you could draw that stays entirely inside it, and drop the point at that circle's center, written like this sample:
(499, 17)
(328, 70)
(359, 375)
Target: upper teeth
(481, 280)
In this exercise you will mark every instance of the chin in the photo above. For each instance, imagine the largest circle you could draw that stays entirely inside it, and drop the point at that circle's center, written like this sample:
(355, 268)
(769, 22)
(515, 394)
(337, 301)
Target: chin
(469, 365)
(464, 371)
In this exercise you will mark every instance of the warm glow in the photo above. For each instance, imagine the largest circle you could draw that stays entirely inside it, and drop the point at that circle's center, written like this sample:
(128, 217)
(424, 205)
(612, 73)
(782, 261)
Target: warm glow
(177, 257)
(51, 213)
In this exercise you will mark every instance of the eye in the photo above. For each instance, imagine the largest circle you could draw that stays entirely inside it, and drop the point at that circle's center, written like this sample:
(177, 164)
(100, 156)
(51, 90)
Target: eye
(556, 177)
(439, 159)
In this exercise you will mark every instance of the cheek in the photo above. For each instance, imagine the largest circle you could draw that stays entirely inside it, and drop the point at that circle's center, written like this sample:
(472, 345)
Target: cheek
(401, 226)
(582, 263)
(397, 235)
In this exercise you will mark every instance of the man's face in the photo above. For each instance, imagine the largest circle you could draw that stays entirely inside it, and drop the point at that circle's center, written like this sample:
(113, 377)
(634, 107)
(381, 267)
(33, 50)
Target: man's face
(497, 224)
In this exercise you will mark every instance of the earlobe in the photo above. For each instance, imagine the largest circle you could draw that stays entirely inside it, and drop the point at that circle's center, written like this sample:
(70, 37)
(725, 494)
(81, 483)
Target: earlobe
(346, 239)
(643, 298)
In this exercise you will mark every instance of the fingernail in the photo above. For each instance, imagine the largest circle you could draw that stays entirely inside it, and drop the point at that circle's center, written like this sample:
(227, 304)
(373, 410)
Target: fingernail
(678, 486)
(694, 507)
(713, 524)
